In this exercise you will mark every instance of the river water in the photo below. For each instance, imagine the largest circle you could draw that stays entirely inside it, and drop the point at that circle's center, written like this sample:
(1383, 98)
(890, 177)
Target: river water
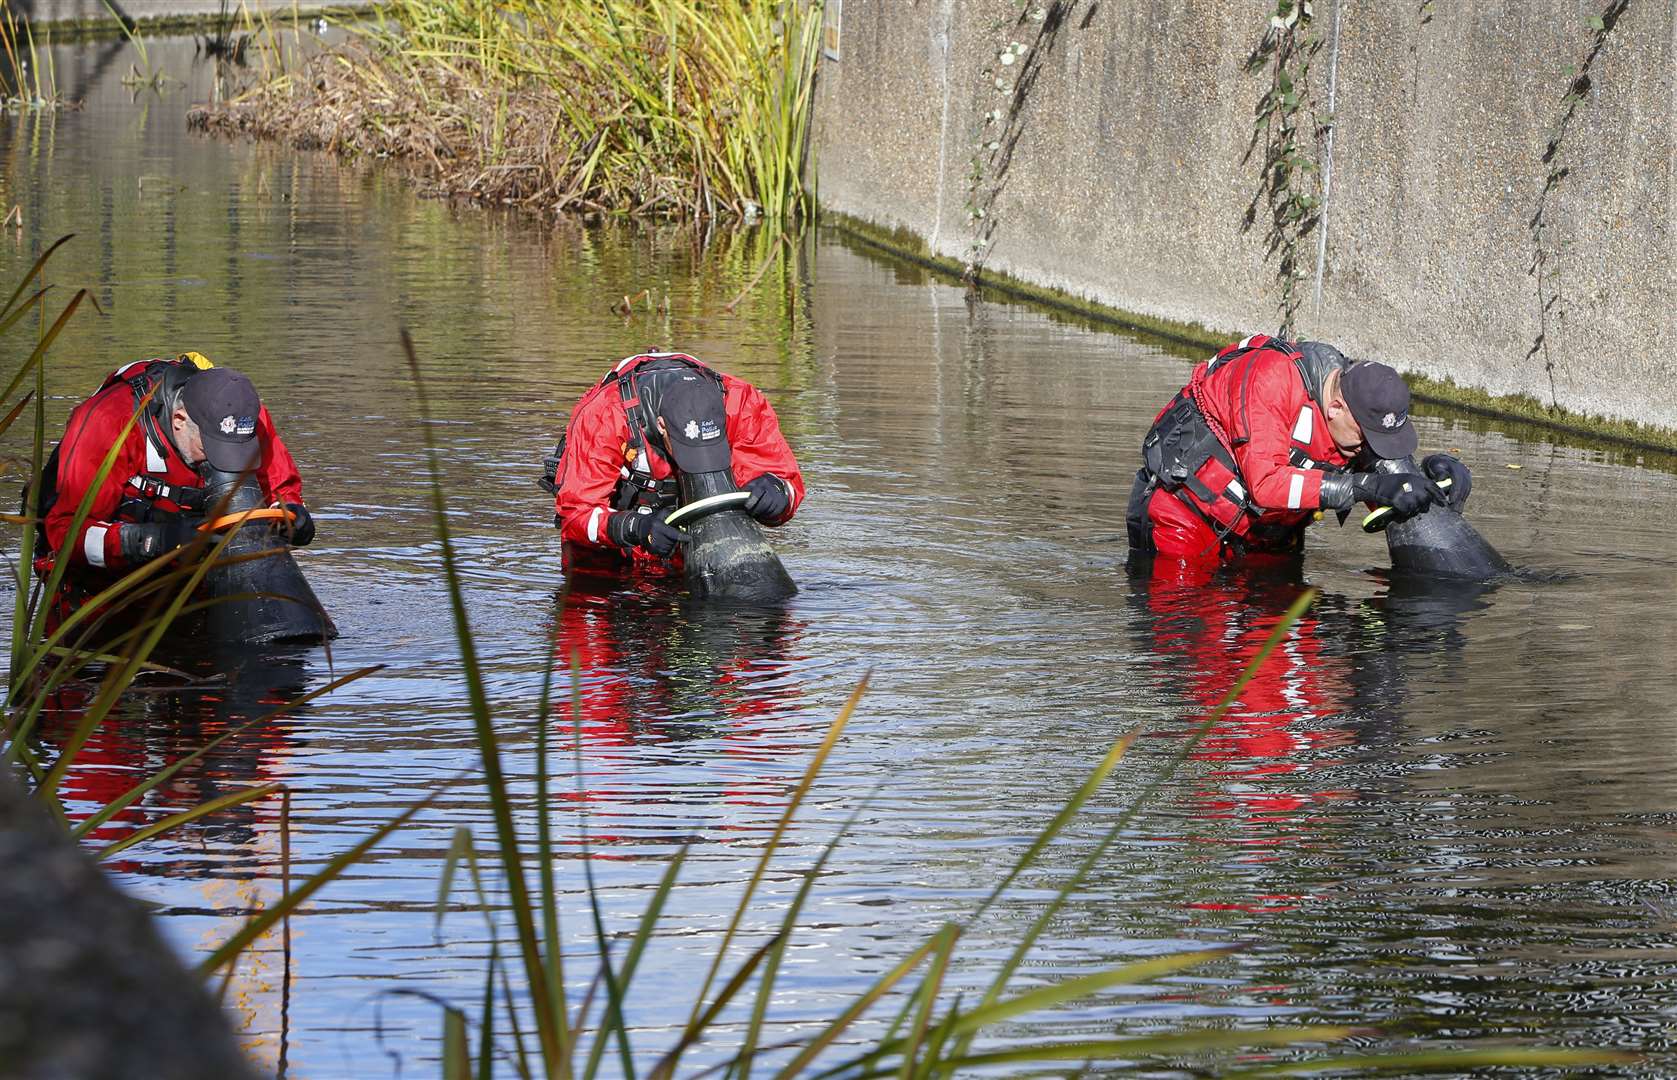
(1451, 818)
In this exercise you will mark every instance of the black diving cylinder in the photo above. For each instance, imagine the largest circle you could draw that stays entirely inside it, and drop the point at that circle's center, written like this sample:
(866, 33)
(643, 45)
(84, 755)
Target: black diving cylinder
(1439, 542)
(727, 556)
(288, 610)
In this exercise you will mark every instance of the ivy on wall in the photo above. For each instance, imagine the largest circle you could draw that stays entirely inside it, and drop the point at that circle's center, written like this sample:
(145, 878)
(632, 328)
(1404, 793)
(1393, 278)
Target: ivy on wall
(1287, 132)
(1022, 42)
(1548, 248)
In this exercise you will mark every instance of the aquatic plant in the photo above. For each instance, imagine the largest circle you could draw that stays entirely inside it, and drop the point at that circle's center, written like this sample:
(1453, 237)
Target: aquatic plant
(23, 85)
(658, 107)
(1286, 130)
(141, 75)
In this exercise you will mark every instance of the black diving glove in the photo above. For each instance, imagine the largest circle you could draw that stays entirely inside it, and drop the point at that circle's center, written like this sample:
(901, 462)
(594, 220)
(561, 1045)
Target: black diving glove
(300, 527)
(1406, 493)
(770, 500)
(143, 543)
(631, 529)
(1446, 466)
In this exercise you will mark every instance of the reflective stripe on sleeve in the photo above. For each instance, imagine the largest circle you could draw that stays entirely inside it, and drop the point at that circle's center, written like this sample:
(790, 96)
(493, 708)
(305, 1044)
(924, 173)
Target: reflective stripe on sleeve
(594, 524)
(1295, 491)
(93, 544)
(1304, 427)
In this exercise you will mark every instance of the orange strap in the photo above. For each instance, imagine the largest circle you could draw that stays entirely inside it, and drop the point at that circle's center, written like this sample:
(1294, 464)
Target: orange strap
(257, 514)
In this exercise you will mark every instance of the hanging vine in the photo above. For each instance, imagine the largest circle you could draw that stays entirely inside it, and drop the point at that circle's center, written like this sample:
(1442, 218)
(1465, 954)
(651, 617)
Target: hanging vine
(1548, 249)
(1287, 133)
(1023, 43)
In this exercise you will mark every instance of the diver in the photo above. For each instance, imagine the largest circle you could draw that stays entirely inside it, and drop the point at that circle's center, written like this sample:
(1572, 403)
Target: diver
(1265, 436)
(659, 430)
(179, 420)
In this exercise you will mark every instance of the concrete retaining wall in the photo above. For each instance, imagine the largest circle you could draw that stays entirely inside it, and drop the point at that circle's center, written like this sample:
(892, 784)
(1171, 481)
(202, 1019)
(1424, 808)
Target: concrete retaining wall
(1129, 179)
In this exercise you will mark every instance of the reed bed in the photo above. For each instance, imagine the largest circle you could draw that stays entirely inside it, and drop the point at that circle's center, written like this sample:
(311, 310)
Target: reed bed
(668, 108)
(27, 77)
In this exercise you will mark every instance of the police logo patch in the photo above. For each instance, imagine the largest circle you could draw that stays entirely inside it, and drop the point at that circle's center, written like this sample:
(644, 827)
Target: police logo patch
(1391, 420)
(228, 424)
(691, 430)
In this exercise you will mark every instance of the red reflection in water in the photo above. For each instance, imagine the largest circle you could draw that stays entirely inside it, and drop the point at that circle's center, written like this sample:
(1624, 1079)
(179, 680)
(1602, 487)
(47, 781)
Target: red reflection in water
(656, 670)
(153, 729)
(1266, 747)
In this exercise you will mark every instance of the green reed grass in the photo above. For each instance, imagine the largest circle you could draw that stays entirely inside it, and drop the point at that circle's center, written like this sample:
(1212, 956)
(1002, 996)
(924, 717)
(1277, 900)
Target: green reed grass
(673, 108)
(28, 79)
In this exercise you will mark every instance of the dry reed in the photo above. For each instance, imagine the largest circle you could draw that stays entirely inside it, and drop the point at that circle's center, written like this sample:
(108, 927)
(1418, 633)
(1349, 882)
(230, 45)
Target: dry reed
(654, 107)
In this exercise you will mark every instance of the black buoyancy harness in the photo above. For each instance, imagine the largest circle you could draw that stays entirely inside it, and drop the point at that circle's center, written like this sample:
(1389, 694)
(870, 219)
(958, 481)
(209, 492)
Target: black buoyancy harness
(639, 384)
(143, 493)
(1189, 454)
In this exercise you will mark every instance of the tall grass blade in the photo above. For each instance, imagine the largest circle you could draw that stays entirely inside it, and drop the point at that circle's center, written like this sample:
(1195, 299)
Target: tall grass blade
(929, 990)
(232, 798)
(862, 1004)
(1022, 948)
(1456, 1062)
(34, 271)
(771, 968)
(457, 1056)
(6, 425)
(486, 1023)
(553, 966)
(122, 676)
(138, 791)
(613, 1019)
(1114, 755)
(606, 976)
(259, 924)
(458, 847)
(773, 844)
(1072, 989)
(512, 866)
(1174, 1045)
(665, 1069)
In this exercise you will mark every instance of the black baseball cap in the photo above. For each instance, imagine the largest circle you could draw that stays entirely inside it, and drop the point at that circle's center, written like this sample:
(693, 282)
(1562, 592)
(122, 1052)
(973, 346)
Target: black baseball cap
(224, 405)
(695, 422)
(1379, 399)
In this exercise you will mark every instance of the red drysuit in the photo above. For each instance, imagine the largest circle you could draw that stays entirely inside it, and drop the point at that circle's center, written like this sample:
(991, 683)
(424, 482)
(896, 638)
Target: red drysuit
(596, 458)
